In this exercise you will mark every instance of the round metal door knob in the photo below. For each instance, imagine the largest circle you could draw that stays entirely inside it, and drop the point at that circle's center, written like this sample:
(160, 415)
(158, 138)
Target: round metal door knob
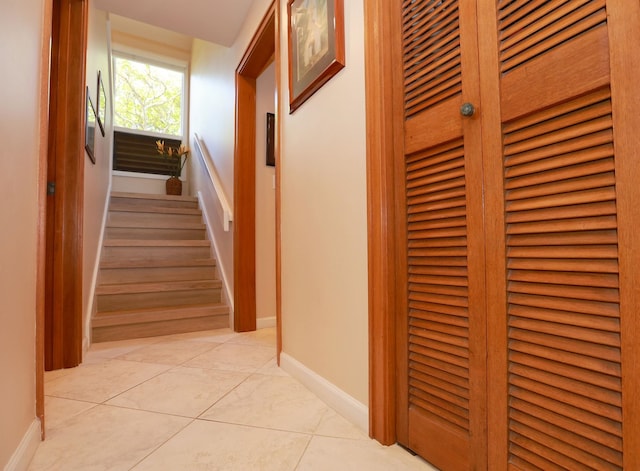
(467, 110)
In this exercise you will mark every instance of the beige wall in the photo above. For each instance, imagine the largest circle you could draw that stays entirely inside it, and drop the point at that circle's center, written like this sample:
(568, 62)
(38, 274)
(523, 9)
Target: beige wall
(324, 225)
(211, 117)
(265, 201)
(96, 176)
(20, 52)
(324, 214)
(324, 221)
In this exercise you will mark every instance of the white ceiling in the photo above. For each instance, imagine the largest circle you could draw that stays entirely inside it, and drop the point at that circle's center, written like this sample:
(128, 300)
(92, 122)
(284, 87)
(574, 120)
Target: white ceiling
(217, 21)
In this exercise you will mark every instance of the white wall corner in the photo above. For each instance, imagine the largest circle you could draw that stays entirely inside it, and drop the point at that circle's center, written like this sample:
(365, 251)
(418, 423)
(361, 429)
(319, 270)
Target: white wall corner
(265, 322)
(345, 405)
(28, 445)
(223, 273)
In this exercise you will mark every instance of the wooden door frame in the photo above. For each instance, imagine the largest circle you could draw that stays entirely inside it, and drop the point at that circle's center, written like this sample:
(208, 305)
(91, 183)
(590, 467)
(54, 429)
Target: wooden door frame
(259, 54)
(383, 143)
(45, 60)
(65, 167)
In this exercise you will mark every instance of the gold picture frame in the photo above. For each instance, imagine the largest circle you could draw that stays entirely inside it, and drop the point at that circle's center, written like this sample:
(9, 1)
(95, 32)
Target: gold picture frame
(316, 46)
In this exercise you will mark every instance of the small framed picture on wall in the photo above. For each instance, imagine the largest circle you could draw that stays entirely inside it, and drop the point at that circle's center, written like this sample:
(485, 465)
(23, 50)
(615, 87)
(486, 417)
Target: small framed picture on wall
(271, 136)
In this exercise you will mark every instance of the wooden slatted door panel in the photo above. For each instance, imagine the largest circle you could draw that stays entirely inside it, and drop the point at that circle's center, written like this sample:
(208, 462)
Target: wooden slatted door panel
(563, 339)
(443, 412)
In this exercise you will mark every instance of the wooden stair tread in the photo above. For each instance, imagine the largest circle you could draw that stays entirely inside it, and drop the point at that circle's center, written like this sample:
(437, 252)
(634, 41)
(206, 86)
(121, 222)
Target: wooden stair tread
(146, 196)
(125, 208)
(156, 225)
(157, 273)
(157, 286)
(137, 316)
(156, 243)
(201, 262)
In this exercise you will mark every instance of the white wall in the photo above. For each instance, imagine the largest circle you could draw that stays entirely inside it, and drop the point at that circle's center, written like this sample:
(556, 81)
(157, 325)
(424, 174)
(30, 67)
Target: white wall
(324, 221)
(265, 202)
(96, 176)
(20, 51)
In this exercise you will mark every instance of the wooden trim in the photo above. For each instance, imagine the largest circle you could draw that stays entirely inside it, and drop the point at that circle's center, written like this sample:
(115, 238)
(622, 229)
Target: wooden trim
(495, 348)
(278, 156)
(382, 146)
(624, 36)
(63, 303)
(258, 55)
(45, 60)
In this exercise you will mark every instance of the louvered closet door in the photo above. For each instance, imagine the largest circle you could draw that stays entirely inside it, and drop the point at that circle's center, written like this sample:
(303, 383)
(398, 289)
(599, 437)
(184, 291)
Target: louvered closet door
(442, 411)
(562, 408)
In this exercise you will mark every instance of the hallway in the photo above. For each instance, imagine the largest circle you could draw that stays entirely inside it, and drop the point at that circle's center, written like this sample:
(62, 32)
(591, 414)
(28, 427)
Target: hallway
(201, 401)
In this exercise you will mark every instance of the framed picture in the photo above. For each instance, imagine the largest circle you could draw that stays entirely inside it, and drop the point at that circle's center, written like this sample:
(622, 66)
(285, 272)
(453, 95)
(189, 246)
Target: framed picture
(271, 134)
(316, 46)
(102, 104)
(90, 129)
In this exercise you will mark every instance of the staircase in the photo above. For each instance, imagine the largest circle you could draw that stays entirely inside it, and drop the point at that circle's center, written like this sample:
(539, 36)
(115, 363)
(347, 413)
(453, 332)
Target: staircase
(157, 275)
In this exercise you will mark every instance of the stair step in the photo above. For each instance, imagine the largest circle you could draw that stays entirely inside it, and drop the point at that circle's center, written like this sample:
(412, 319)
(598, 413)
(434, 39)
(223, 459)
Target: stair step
(138, 323)
(144, 199)
(117, 297)
(128, 263)
(109, 276)
(144, 251)
(156, 224)
(155, 243)
(137, 316)
(173, 233)
(149, 219)
(152, 287)
(157, 276)
(121, 207)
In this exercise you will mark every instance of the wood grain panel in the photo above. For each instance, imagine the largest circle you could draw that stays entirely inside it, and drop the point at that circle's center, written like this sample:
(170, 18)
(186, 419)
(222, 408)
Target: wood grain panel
(564, 319)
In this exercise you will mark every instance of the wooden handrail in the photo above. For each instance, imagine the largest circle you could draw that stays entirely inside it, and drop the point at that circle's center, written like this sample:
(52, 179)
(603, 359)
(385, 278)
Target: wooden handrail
(215, 179)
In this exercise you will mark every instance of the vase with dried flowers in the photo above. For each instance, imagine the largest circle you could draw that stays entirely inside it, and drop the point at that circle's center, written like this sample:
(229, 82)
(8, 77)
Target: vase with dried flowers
(177, 156)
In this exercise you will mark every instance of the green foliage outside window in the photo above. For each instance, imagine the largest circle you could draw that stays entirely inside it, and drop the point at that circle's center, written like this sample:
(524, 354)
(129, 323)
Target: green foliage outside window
(147, 97)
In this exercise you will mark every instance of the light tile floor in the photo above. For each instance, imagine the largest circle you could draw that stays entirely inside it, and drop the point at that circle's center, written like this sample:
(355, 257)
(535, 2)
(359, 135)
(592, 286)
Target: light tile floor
(201, 401)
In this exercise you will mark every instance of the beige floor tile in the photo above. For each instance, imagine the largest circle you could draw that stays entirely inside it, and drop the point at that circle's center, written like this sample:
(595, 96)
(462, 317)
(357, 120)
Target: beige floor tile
(334, 425)
(210, 446)
(339, 454)
(98, 382)
(272, 369)
(215, 336)
(55, 374)
(118, 347)
(105, 438)
(168, 352)
(59, 410)
(234, 357)
(264, 337)
(181, 391)
(270, 401)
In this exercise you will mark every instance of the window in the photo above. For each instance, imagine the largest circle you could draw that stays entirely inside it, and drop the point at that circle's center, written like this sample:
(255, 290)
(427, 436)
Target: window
(148, 105)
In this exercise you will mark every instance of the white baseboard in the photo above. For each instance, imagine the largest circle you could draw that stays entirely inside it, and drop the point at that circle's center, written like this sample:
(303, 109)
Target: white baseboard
(24, 453)
(265, 322)
(350, 408)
